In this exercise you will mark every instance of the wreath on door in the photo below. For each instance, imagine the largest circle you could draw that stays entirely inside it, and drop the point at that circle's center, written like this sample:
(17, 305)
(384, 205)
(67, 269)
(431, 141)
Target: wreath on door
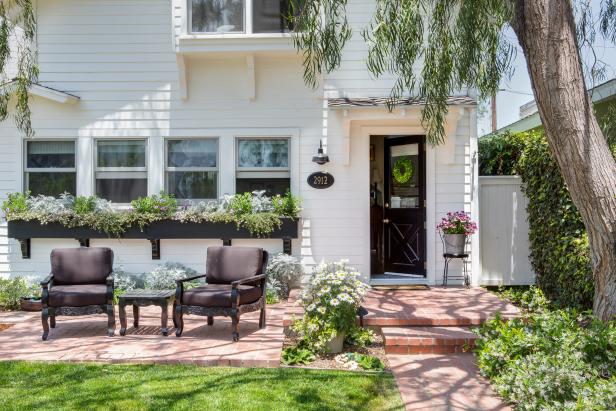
(403, 171)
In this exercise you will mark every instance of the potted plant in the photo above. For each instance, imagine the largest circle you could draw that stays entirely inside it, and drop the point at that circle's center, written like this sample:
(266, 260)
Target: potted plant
(330, 302)
(284, 273)
(455, 228)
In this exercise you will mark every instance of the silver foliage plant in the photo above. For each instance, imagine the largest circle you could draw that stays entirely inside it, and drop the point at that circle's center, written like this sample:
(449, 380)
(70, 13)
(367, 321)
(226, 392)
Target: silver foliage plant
(283, 273)
(50, 208)
(163, 277)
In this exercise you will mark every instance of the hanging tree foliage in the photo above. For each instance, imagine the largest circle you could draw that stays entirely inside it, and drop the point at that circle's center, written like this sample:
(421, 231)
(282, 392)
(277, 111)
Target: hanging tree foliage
(17, 34)
(434, 48)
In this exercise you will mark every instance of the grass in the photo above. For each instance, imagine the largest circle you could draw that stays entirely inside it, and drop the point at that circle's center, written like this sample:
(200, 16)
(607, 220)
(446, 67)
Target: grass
(61, 386)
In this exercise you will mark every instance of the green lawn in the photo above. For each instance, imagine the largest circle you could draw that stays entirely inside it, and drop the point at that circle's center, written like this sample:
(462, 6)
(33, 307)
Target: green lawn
(58, 386)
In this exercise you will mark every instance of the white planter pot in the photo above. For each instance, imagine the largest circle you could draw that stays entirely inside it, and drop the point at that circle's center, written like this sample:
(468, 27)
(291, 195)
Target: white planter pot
(454, 243)
(335, 345)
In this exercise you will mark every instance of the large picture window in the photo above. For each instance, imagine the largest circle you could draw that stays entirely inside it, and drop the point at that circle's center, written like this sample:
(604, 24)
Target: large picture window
(121, 170)
(192, 168)
(263, 164)
(50, 167)
(229, 16)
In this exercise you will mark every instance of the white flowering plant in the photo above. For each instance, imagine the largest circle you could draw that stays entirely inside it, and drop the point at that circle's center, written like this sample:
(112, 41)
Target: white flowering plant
(330, 302)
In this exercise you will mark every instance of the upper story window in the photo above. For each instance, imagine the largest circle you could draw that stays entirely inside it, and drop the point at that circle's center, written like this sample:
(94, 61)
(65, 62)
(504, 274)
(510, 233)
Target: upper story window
(192, 168)
(121, 171)
(50, 167)
(239, 16)
(263, 164)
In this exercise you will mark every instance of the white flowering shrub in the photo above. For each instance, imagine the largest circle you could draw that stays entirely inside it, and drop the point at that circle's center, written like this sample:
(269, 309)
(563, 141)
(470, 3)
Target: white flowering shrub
(330, 302)
(163, 277)
(283, 273)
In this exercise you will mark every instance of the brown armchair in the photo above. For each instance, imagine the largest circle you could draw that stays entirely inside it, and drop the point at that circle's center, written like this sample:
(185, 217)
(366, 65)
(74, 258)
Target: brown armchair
(80, 283)
(235, 285)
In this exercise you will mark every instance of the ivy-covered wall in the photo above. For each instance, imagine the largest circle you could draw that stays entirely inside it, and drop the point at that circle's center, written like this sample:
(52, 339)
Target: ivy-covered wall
(560, 253)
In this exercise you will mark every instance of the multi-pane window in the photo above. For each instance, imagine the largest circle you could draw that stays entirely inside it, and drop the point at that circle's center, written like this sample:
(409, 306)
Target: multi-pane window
(121, 171)
(192, 168)
(50, 167)
(263, 164)
(229, 16)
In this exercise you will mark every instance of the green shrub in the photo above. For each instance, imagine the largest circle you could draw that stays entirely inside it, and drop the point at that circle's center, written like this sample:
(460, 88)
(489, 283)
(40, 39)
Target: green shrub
(163, 205)
(560, 254)
(11, 290)
(499, 154)
(528, 298)
(560, 360)
(297, 356)
(16, 204)
(360, 337)
(287, 205)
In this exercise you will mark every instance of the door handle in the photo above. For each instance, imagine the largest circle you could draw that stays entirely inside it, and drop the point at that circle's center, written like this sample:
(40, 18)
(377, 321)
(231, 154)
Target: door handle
(386, 220)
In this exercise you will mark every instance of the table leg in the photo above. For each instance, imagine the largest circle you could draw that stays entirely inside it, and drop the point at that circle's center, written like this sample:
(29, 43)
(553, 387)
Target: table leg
(163, 319)
(136, 316)
(175, 322)
(122, 309)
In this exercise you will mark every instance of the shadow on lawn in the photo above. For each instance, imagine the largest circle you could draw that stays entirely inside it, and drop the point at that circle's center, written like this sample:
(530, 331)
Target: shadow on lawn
(152, 387)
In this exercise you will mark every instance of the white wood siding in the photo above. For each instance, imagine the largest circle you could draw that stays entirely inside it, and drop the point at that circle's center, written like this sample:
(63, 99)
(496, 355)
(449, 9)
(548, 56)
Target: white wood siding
(118, 56)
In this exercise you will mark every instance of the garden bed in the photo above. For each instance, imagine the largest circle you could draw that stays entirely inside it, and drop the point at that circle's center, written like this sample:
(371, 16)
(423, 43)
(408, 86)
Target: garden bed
(328, 361)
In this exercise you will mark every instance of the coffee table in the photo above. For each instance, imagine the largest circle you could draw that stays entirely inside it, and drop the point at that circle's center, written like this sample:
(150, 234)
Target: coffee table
(144, 298)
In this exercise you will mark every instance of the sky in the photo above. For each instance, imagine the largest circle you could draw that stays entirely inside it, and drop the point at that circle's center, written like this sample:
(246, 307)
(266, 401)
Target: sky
(517, 90)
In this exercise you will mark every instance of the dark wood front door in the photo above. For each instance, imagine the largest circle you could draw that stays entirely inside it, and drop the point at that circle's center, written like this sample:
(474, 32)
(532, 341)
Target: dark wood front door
(404, 212)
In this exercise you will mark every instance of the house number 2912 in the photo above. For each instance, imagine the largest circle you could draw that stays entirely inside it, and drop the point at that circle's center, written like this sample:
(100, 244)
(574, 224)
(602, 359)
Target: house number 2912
(320, 180)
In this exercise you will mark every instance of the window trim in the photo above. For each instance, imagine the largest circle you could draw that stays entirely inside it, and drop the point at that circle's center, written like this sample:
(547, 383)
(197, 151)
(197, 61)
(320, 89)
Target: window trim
(26, 169)
(167, 169)
(120, 170)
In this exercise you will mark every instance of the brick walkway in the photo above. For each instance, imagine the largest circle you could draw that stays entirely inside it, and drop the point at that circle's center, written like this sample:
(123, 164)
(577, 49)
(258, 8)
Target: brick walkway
(84, 339)
(443, 383)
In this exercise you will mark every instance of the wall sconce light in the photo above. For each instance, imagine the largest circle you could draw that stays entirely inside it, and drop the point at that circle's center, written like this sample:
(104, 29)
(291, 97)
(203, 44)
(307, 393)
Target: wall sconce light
(320, 158)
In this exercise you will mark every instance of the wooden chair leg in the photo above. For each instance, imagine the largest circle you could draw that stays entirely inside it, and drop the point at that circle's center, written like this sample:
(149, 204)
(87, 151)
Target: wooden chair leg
(210, 320)
(235, 320)
(262, 321)
(44, 319)
(110, 320)
(179, 320)
(52, 318)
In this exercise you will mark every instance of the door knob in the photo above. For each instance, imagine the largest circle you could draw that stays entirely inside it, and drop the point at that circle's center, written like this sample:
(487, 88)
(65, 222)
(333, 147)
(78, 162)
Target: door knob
(386, 205)
(386, 220)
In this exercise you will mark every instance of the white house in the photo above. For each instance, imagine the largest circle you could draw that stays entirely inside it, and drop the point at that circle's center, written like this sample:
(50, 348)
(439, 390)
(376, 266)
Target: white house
(124, 83)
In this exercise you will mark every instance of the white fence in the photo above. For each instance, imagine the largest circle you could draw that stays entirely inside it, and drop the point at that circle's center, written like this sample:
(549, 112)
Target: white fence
(503, 229)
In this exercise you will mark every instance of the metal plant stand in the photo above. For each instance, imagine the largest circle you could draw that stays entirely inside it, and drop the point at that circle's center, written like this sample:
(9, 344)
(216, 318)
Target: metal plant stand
(448, 257)
(143, 298)
(465, 277)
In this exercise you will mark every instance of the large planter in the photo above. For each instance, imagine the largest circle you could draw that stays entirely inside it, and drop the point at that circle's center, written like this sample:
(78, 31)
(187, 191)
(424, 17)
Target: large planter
(30, 304)
(454, 243)
(336, 344)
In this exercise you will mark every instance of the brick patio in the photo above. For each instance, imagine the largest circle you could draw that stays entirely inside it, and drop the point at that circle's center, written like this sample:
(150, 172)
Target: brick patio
(438, 306)
(84, 339)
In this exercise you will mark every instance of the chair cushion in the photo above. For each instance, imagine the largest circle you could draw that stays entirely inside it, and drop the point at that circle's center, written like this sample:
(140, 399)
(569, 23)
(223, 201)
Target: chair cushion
(81, 265)
(77, 295)
(219, 295)
(227, 264)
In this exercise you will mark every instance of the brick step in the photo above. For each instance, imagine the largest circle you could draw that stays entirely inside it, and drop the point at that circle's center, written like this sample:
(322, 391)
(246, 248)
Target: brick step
(427, 340)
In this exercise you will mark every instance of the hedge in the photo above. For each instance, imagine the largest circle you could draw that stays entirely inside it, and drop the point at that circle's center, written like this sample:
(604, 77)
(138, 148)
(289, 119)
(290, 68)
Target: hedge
(560, 253)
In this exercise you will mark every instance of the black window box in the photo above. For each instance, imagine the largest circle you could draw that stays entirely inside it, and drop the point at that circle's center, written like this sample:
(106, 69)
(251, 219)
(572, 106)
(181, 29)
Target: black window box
(23, 231)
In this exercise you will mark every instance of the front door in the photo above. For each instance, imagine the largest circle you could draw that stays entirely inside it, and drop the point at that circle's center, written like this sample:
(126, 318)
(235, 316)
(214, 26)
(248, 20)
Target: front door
(404, 212)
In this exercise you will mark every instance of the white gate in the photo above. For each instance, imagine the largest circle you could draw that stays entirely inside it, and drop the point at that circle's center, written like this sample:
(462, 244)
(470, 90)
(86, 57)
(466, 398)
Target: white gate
(503, 229)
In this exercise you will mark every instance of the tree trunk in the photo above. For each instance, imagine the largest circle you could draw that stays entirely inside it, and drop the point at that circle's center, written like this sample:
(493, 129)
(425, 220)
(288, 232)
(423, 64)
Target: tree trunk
(546, 32)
